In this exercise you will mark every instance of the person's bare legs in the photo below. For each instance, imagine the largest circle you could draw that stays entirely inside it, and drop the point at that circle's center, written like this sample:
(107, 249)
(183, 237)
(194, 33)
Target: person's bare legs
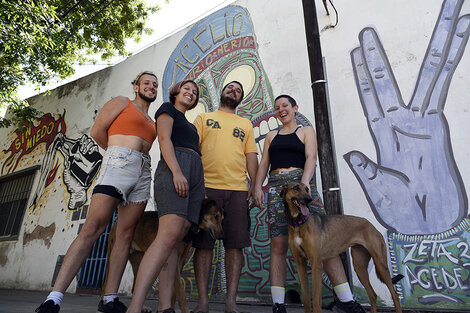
(233, 268)
(166, 280)
(171, 230)
(277, 268)
(202, 268)
(335, 271)
(99, 215)
(128, 216)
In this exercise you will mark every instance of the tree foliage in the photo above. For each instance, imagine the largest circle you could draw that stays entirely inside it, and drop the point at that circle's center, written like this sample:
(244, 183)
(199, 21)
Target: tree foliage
(43, 39)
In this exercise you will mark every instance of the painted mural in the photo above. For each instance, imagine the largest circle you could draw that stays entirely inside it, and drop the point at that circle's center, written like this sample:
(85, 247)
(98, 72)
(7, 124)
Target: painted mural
(81, 158)
(414, 187)
(218, 49)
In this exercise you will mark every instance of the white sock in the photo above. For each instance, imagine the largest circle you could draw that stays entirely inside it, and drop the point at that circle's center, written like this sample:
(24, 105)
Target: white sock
(343, 292)
(278, 294)
(109, 298)
(55, 296)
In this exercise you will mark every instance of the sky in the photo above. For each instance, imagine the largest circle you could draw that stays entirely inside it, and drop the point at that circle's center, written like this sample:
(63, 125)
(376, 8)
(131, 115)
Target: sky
(173, 16)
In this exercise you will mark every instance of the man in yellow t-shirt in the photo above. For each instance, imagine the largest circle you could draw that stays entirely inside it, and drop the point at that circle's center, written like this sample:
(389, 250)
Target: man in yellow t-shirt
(229, 152)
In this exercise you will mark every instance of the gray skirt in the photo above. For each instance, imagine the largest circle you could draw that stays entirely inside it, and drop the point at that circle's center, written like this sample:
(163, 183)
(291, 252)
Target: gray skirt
(167, 199)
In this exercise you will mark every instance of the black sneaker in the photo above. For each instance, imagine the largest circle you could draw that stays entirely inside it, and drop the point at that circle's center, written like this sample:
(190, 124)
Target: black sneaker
(112, 307)
(170, 310)
(48, 307)
(279, 308)
(347, 307)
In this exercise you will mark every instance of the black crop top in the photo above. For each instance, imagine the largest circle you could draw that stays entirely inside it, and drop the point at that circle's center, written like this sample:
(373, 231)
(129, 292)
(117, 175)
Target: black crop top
(287, 151)
(184, 134)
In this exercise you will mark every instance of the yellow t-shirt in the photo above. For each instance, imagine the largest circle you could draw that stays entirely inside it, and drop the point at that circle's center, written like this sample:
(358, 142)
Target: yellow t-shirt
(224, 140)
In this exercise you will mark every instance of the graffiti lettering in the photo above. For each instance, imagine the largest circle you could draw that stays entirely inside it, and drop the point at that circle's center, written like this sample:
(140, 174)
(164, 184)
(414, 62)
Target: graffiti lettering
(206, 37)
(216, 54)
(426, 250)
(436, 278)
(27, 140)
(436, 268)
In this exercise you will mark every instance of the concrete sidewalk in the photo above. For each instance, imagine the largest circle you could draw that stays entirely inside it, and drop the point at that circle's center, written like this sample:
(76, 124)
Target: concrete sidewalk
(19, 301)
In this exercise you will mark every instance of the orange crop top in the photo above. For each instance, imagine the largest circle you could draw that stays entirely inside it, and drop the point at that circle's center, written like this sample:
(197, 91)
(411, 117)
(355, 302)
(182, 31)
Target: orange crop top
(133, 122)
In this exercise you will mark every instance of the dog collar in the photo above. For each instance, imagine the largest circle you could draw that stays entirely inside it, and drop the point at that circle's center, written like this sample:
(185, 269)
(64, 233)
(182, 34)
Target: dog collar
(299, 220)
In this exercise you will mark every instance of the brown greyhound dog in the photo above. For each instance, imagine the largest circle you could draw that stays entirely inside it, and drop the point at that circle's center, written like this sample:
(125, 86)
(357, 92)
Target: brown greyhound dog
(210, 220)
(320, 237)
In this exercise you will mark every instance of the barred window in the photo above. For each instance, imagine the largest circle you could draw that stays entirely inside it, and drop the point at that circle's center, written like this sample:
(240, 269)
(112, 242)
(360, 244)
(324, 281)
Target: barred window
(14, 193)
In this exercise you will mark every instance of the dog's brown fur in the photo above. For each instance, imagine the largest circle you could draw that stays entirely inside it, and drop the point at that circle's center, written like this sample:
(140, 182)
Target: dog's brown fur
(210, 220)
(321, 237)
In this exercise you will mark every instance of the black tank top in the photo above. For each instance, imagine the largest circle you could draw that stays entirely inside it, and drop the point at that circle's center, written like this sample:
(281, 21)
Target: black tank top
(287, 151)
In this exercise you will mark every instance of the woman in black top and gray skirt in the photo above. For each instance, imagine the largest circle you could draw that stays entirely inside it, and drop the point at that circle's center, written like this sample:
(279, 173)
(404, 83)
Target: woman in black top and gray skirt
(178, 189)
(290, 154)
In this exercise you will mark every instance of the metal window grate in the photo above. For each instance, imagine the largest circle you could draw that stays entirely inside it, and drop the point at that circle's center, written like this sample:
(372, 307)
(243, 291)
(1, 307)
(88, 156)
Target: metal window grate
(14, 194)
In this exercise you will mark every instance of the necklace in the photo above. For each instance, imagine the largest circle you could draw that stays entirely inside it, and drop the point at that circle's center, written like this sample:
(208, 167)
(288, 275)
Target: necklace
(146, 115)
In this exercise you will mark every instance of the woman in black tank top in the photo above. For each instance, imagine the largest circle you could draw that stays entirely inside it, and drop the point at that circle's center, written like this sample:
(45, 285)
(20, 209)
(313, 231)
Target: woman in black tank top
(290, 154)
(292, 147)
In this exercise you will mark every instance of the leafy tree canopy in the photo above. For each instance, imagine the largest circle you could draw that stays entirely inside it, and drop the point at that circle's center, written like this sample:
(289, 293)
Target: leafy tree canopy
(43, 39)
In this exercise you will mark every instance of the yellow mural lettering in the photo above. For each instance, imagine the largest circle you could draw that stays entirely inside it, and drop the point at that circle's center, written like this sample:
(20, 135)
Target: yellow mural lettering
(235, 18)
(183, 66)
(195, 71)
(37, 137)
(29, 143)
(196, 38)
(227, 28)
(186, 57)
(50, 128)
(220, 50)
(17, 144)
(214, 38)
(234, 44)
(226, 47)
(208, 59)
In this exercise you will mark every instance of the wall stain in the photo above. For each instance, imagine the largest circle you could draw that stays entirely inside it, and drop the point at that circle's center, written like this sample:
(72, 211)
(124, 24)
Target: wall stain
(3, 255)
(40, 233)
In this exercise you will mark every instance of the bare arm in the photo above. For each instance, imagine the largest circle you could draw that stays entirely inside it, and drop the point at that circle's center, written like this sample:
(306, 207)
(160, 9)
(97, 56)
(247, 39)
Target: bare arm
(252, 168)
(164, 129)
(107, 115)
(262, 171)
(310, 141)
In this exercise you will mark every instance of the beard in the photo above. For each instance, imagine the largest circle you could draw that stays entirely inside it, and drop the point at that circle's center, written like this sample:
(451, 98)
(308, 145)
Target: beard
(228, 102)
(148, 99)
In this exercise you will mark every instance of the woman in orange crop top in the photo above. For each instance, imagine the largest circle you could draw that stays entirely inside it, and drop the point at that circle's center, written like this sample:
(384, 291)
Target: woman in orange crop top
(124, 129)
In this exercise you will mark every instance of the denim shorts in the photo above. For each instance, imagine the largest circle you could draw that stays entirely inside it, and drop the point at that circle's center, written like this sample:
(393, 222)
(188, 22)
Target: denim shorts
(128, 171)
(236, 223)
(167, 199)
(277, 221)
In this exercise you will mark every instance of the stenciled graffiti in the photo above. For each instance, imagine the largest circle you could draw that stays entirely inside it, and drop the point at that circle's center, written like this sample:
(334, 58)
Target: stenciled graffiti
(30, 138)
(82, 161)
(415, 189)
